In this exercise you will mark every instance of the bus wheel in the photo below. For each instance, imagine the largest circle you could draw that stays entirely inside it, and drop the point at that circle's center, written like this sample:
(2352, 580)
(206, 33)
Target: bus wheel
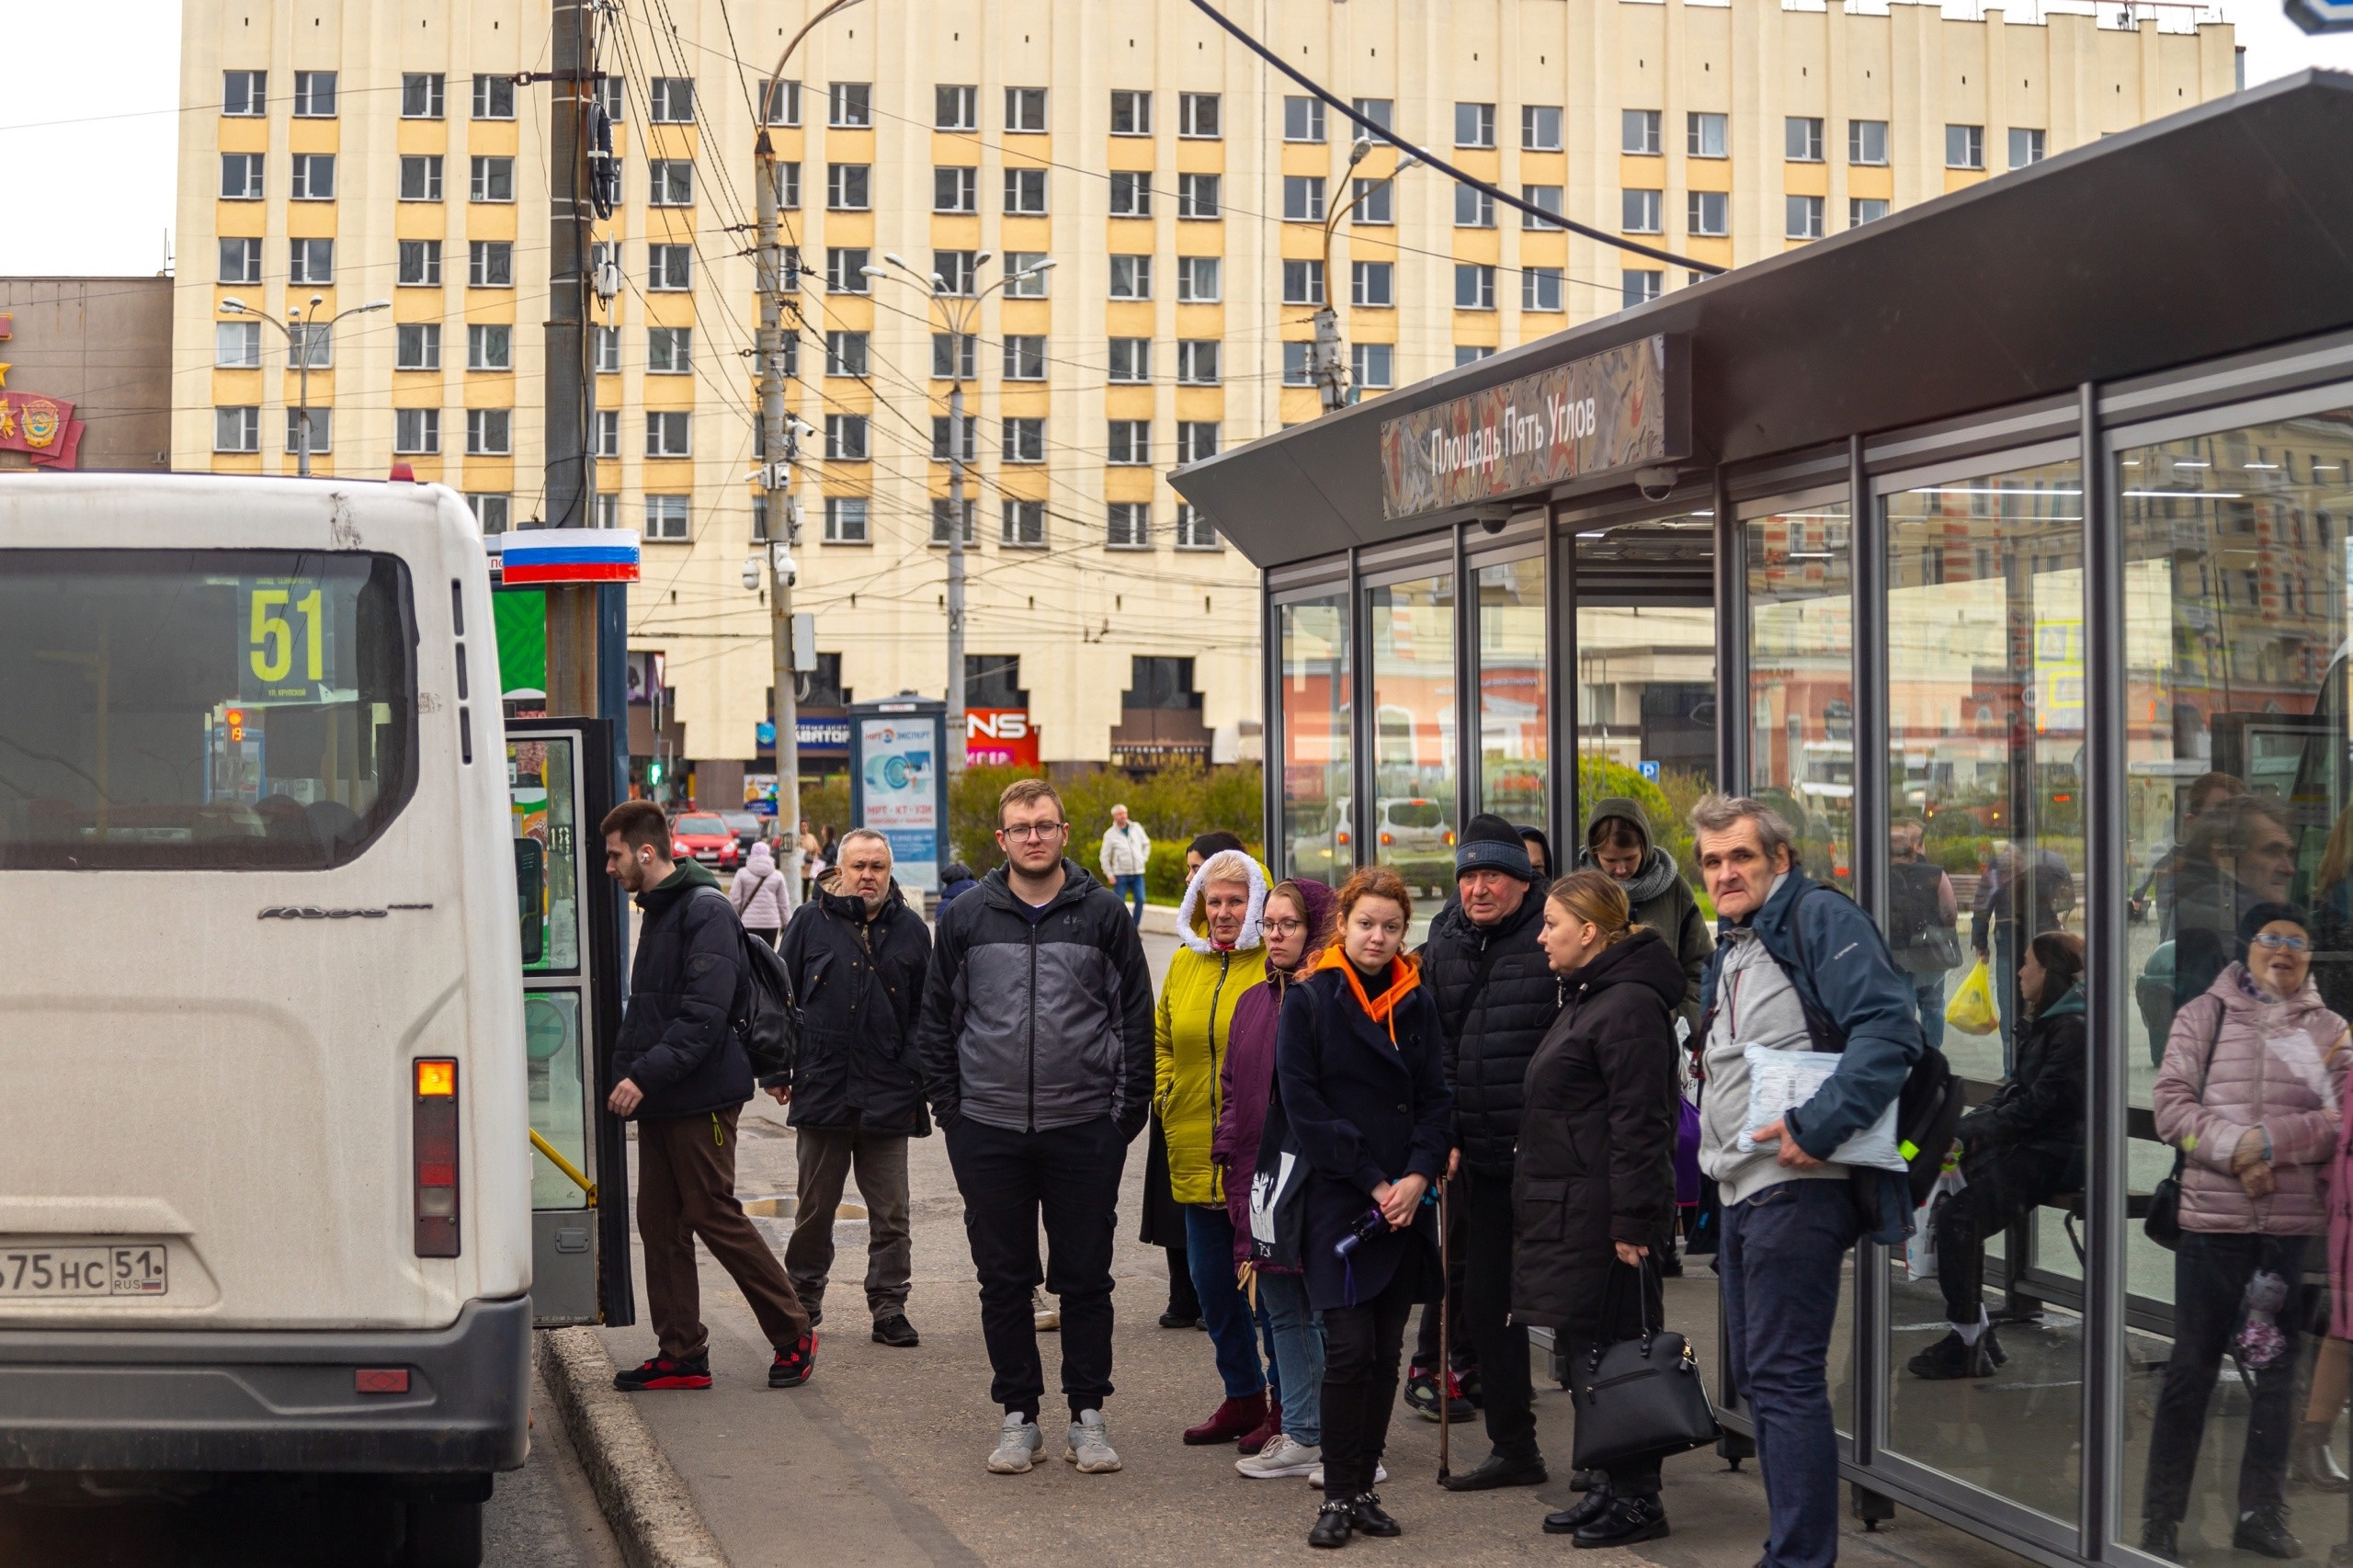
(443, 1535)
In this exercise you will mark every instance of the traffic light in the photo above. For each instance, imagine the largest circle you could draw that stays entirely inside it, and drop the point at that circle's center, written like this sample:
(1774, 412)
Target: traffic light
(654, 774)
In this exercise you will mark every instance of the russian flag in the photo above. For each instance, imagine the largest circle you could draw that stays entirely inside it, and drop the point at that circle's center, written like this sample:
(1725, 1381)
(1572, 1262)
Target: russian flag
(569, 555)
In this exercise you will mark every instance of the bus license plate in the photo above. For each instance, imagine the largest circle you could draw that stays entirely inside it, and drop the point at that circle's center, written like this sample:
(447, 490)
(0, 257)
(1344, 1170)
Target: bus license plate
(80, 1271)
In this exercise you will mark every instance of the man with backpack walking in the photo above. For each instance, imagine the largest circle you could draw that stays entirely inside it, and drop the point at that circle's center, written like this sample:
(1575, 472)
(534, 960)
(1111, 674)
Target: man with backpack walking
(683, 1074)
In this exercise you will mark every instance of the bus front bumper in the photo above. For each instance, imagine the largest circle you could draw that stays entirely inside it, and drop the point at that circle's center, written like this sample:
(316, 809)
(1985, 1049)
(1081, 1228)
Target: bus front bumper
(180, 1401)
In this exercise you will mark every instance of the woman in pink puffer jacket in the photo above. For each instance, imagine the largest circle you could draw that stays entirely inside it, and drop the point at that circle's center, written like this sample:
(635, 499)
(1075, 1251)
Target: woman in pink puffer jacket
(2252, 1092)
(759, 895)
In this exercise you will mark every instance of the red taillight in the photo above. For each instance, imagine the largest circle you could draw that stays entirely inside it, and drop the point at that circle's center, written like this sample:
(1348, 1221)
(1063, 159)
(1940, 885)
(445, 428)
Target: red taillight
(1385, 839)
(1449, 838)
(434, 1133)
(1342, 837)
(380, 1380)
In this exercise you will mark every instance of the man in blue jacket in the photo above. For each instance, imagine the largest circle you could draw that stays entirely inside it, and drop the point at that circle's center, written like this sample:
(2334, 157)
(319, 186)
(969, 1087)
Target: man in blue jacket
(1797, 967)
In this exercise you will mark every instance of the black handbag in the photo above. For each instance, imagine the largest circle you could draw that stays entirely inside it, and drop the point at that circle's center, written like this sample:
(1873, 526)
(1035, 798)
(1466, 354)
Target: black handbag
(2162, 1225)
(1641, 1398)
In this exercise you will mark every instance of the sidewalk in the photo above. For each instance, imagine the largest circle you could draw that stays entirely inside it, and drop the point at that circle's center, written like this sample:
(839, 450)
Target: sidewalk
(878, 1459)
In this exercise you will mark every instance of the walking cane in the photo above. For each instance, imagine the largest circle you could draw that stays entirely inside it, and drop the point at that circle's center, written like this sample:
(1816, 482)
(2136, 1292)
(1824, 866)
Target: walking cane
(1445, 1352)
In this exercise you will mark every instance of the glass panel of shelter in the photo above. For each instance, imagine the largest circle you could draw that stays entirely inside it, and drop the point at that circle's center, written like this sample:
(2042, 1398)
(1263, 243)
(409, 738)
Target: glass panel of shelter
(1410, 630)
(1515, 704)
(1314, 709)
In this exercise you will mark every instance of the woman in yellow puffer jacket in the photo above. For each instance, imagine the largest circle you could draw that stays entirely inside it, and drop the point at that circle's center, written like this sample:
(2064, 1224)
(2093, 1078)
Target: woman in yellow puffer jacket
(1222, 956)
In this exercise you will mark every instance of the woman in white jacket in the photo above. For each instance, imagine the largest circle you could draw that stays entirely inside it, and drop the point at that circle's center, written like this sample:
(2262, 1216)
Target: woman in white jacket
(759, 895)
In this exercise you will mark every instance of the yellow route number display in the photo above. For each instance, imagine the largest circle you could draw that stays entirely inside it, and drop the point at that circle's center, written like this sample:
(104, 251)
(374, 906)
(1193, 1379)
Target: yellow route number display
(288, 648)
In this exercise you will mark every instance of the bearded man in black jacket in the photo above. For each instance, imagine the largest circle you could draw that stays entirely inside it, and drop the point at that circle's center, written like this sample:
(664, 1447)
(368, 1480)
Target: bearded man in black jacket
(1495, 998)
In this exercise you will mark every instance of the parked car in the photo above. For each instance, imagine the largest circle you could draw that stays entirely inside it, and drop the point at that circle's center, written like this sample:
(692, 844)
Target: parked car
(1417, 837)
(704, 836)
(749, 828)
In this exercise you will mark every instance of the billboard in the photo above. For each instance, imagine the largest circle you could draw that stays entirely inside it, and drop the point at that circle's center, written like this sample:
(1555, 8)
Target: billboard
(1000, 737)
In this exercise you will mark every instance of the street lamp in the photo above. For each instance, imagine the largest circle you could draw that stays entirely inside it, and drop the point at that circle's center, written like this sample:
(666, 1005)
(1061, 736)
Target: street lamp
(233, 306)
(962, 314)
(1327, 319)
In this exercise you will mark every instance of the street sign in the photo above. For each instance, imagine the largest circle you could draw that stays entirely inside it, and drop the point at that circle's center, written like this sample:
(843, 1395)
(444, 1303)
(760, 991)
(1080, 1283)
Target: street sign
(1648, 769)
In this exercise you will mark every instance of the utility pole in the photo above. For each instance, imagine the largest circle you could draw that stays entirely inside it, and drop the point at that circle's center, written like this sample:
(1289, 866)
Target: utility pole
(574, 610)
(959, 731)
(779, 448)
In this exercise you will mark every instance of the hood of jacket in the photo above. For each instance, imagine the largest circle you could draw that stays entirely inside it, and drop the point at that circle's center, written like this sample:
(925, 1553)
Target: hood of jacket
(1193, 922)
(762, 857)
(1645, 958)
(1323, 916)
(681, 883)
(2071, 1002)
(850, 907)
(1656, 878)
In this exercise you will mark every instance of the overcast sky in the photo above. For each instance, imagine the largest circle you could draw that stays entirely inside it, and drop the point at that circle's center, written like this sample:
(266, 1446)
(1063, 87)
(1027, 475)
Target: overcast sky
(80, 194)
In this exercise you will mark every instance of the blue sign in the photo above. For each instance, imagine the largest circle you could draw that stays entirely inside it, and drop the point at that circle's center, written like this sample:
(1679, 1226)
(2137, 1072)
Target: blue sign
(813, 735)
(1650, 769)
(2320, 15)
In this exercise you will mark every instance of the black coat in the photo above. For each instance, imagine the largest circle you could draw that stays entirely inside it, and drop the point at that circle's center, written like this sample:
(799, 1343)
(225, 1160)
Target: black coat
(1596, 1147)
(859, 982)
(1363, 1111)
(2040, 1106)
(1495, 998)
(677, 1042)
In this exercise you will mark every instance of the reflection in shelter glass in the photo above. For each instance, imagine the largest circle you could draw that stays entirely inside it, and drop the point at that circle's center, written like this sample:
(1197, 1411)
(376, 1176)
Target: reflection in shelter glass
(1317, 840)
(1412, 823)
(1514, 758)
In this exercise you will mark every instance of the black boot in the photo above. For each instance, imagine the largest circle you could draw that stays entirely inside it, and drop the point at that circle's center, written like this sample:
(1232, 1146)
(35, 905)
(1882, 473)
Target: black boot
(1587, 1480)
(1499, 1470)
(1626, 1521)
(1591, 1506)
(2265, 1533)
(1335, 1522)
(1950, 1359)
(2161, 1538)
(1371, 1517)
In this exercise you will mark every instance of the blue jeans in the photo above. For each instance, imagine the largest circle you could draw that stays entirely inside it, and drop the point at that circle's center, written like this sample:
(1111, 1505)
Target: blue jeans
(1298, 1336)
(1781, 1254)
(1225, 1311)
(1928, 1002)
(1131, 890)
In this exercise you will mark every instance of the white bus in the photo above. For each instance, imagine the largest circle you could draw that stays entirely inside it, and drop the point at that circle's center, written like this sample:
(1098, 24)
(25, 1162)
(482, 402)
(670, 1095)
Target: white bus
(265, 1182)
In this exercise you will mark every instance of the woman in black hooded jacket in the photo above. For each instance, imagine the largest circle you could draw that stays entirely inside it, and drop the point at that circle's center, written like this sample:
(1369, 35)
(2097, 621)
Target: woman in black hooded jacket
(1594, 1186)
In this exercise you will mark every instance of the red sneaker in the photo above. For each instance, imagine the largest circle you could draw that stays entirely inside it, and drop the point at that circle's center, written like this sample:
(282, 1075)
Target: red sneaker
(791, 1368)
(662, 1372)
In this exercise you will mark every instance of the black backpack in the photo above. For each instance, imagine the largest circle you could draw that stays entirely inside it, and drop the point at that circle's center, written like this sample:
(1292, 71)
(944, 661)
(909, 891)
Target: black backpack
(767, 1016)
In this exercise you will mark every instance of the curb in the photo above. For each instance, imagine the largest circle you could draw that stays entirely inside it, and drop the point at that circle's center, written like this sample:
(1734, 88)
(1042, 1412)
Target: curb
(645, 1499)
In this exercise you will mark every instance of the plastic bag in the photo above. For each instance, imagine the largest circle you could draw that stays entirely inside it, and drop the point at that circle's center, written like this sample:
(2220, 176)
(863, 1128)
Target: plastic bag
(1972, 1008)
(1920, 1250)
(2259, 1340)
(1780, 1081)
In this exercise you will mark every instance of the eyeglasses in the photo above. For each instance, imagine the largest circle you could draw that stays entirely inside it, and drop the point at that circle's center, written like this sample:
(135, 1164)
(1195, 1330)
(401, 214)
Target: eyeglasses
(1283, 927)
(2273, 941)
(1030, 833)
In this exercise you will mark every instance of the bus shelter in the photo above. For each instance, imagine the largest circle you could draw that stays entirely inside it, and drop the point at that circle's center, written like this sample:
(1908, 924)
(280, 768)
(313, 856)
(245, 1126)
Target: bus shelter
(1978, 540)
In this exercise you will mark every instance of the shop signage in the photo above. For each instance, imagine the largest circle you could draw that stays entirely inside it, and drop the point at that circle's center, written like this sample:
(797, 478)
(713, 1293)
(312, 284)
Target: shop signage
(1000, 737)
(1623, 408)
(809, 734)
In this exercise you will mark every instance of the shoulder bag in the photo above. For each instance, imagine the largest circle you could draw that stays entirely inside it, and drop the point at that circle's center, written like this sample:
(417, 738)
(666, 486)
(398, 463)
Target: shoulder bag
(2162, 1224)
(1639, 1398)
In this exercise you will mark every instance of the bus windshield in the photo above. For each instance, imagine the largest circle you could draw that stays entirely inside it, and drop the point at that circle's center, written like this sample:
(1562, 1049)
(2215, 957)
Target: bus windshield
(185, 709)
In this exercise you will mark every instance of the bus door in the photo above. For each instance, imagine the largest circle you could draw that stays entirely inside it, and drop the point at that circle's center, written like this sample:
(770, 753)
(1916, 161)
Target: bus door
(558, 787)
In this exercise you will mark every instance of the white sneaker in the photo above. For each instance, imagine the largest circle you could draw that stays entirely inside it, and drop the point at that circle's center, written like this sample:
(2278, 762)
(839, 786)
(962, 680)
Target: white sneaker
(1315, 1476)
(1043, 1312)
(1018, 1444)
(1280, 1457)
(1090, 1445)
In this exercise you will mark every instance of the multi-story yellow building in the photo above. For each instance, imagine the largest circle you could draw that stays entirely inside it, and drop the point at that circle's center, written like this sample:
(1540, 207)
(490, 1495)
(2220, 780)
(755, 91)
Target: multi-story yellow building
(352, 152)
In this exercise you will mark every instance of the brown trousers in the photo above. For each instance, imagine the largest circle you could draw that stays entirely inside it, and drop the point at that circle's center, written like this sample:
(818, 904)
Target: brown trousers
(826, 1155)
(686, 1187)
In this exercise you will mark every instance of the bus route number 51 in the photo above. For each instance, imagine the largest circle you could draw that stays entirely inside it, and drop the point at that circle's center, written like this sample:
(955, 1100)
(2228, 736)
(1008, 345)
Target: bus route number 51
(286, 640)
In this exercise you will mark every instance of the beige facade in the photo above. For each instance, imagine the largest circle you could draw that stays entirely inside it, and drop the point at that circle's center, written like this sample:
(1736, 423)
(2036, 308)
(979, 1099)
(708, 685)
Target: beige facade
(1082, 562)
(103, 345)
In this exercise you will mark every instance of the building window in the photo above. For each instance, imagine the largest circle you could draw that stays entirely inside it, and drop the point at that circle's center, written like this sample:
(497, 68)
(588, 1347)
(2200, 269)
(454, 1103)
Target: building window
(955, 356)
(1131, 525)
(416, 346)
(1369, 283)
(310, 345)
(669, 268)
(1199, 280)
(1197, 195)
(849, 188)
(1197, 363)
(605, 441)
(670, 182)
(1131, 193)
(322, 422)
(236, 429)
(849, 106)
(1475, 287)
(490, 511)
(1130, 113)
(241, 261)
(1130, 442)
(607, 513)
(666, 516)
(956, 190)
(1022, 282)
(1801, 140)
(1867, 141)
(845, 520)
(1303, 119)
(846, 269)
(1373, 203)
(1131, 360)
(1381, 112)
(494, 98)
(1708, 213)
(1132, 278)
(1539, 288)
(957, 270)
(1544, 197)
(1025, 108)
(845, 353)
(241, 177)
(493, 179)
(1195, 439)
(1639, 286)
(1302, 282)
(669, 350)
(846, 437)
(1299, 364)
(783, 105)
(420, 263)
(416, 432)
(1024, 441)
(1638, 211)
(1804, 218)
(610, 97)
(1474, 125)
(1637, 131)
(313, 176)
(670, 100)
(236, 346)
(1025, 524)
(942, 426)
(1964, 146)
(311, 261)
(421, 177)
(315, 96)
(1303, 199)
(669, 434)
(1025, 358)
(1194, 529)
(2026, 147)
(955, 108)
(942, 511)
(1197, 116)
(1539, 128)
(421, 95)
(245, 94)
(788, 185)
(605, 349)
(1862, 210)
(1474, 208)
(1703, 136)
(489, 432)
(490, 348)
(1368, 364)
(490, 264)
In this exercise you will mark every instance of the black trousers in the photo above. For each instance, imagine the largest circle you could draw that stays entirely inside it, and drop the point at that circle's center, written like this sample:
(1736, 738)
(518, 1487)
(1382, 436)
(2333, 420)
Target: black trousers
(2006, 1184)
(1459, 1347)
(2210, 1272)
(1502, 1347)
(1070, 1176)
(1362, 1346)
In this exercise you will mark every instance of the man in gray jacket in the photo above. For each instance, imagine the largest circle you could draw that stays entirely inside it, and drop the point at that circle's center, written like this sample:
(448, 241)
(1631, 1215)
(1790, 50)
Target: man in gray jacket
(1037, 1051)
